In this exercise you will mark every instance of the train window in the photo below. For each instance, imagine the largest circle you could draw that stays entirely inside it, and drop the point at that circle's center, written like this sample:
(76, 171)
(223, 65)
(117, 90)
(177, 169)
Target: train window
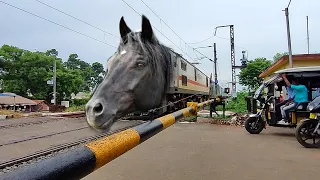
(195, 74)
(184, 80)
(183, 66)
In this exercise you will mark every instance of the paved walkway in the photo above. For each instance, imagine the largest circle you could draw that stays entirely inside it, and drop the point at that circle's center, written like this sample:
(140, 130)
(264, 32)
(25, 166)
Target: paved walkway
(206, 151)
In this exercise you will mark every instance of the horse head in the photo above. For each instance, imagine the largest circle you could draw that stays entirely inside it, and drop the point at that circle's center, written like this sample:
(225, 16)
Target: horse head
(135, 78)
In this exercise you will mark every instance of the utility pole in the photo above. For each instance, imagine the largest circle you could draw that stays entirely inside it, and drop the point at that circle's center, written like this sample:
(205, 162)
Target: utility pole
(288, 36)
(55, 82)
(308, 35)
(233, 58)
(215, 68)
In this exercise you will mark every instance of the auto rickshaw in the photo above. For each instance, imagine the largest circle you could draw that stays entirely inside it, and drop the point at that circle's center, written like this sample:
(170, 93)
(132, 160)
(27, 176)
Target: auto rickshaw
(267, 97)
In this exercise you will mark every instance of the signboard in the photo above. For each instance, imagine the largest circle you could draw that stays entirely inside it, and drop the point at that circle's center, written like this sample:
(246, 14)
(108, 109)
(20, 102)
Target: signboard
(65, 103)
(50, 82)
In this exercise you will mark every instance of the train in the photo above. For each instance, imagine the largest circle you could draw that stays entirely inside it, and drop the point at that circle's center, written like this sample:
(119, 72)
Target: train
(186, 80)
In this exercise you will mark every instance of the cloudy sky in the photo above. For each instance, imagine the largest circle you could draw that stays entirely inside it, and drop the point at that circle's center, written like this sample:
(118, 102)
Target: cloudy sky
(259, 27)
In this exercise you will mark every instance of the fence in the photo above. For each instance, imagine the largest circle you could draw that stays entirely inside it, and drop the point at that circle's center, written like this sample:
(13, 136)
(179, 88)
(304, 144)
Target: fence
(83, 160)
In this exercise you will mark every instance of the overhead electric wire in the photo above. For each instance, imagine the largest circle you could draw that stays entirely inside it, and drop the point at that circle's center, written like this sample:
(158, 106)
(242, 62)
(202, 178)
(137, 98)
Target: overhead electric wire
(157, 29)
(162, 20)
(57, 24)
(203, 54)
(167, 26)
(78, 19)
(201, 40)
(289, 4)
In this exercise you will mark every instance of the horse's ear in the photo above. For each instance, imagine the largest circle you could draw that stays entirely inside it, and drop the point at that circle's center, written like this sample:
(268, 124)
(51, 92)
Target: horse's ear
(147, 32)
(124, 29)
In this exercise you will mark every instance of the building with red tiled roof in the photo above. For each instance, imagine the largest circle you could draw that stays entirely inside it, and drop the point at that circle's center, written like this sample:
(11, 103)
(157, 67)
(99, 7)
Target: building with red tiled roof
(42, 105)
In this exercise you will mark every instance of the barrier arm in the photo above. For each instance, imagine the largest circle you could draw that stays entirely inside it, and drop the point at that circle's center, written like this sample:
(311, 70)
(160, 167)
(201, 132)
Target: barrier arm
(83, 160)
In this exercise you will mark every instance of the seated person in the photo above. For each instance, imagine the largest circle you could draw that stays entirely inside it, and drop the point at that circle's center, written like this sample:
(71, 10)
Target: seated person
(315, 93)
(300, 96)
(285, 102)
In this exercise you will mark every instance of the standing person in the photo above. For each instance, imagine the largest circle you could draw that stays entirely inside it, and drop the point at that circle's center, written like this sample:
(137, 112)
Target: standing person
(300, 96)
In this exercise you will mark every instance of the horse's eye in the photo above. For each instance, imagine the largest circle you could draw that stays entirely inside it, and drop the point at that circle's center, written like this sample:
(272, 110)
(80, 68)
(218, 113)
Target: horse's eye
(140, 64)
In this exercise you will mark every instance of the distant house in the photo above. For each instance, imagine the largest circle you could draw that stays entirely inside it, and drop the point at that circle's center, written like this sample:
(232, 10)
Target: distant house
(11, 101)
(42, 105)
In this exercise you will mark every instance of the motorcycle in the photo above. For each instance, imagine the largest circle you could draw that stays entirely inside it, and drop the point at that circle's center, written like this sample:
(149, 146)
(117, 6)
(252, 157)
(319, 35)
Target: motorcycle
(309, 129)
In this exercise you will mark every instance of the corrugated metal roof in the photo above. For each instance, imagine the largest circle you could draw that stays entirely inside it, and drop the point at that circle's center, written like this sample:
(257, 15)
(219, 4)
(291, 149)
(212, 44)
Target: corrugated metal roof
(19, 100)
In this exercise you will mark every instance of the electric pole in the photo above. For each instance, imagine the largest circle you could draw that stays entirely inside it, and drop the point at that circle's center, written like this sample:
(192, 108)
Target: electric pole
(215, 68)
(233, 58)
(55, 82)
(288, 36)
(308, 34)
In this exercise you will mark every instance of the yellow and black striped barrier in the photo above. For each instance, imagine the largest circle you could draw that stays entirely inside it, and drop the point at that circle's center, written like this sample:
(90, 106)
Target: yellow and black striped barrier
(83, 160)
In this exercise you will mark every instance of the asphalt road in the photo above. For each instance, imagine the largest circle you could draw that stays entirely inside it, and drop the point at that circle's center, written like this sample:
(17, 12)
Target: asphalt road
(206, 151)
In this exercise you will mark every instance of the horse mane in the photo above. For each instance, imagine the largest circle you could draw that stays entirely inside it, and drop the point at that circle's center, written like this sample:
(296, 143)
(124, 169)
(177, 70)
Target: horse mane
(157, 54)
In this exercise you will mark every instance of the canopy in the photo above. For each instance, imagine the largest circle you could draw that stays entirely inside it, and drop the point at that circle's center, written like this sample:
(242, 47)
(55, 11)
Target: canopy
(299, 69)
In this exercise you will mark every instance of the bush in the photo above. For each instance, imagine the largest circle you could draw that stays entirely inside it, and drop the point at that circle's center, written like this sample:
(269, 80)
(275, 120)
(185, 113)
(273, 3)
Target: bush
(56, 108)
(78, 102)
(237, 104)
(75, 108)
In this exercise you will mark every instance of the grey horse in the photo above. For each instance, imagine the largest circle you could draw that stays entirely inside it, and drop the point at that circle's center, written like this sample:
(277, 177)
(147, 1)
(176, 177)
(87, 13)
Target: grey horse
(136, 77)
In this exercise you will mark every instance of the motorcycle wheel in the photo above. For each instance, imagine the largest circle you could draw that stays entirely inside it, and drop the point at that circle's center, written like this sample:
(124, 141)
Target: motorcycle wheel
(254, 126)
(304, 134)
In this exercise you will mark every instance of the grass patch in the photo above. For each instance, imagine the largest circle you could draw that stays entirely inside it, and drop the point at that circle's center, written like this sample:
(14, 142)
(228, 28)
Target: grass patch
(190, 118)
(75, 108)
(10, 112)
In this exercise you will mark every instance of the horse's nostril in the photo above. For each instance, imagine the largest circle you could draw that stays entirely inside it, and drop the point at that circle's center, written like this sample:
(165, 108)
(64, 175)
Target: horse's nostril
(98, 108)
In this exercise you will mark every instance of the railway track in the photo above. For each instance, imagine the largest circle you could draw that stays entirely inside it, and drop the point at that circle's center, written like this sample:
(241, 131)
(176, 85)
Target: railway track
(17, 125)
(42, 153)
(43, 136)
(55, 118)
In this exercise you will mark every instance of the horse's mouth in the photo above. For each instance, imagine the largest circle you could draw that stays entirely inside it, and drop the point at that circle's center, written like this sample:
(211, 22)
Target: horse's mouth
(105, 127)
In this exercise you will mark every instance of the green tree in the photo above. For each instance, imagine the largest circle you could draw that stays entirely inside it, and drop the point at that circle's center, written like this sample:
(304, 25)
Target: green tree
(249, 76)
(74, 63)
(279, 56)
(26, 73)
(52, 52)
(68, 82)
(98, 73)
